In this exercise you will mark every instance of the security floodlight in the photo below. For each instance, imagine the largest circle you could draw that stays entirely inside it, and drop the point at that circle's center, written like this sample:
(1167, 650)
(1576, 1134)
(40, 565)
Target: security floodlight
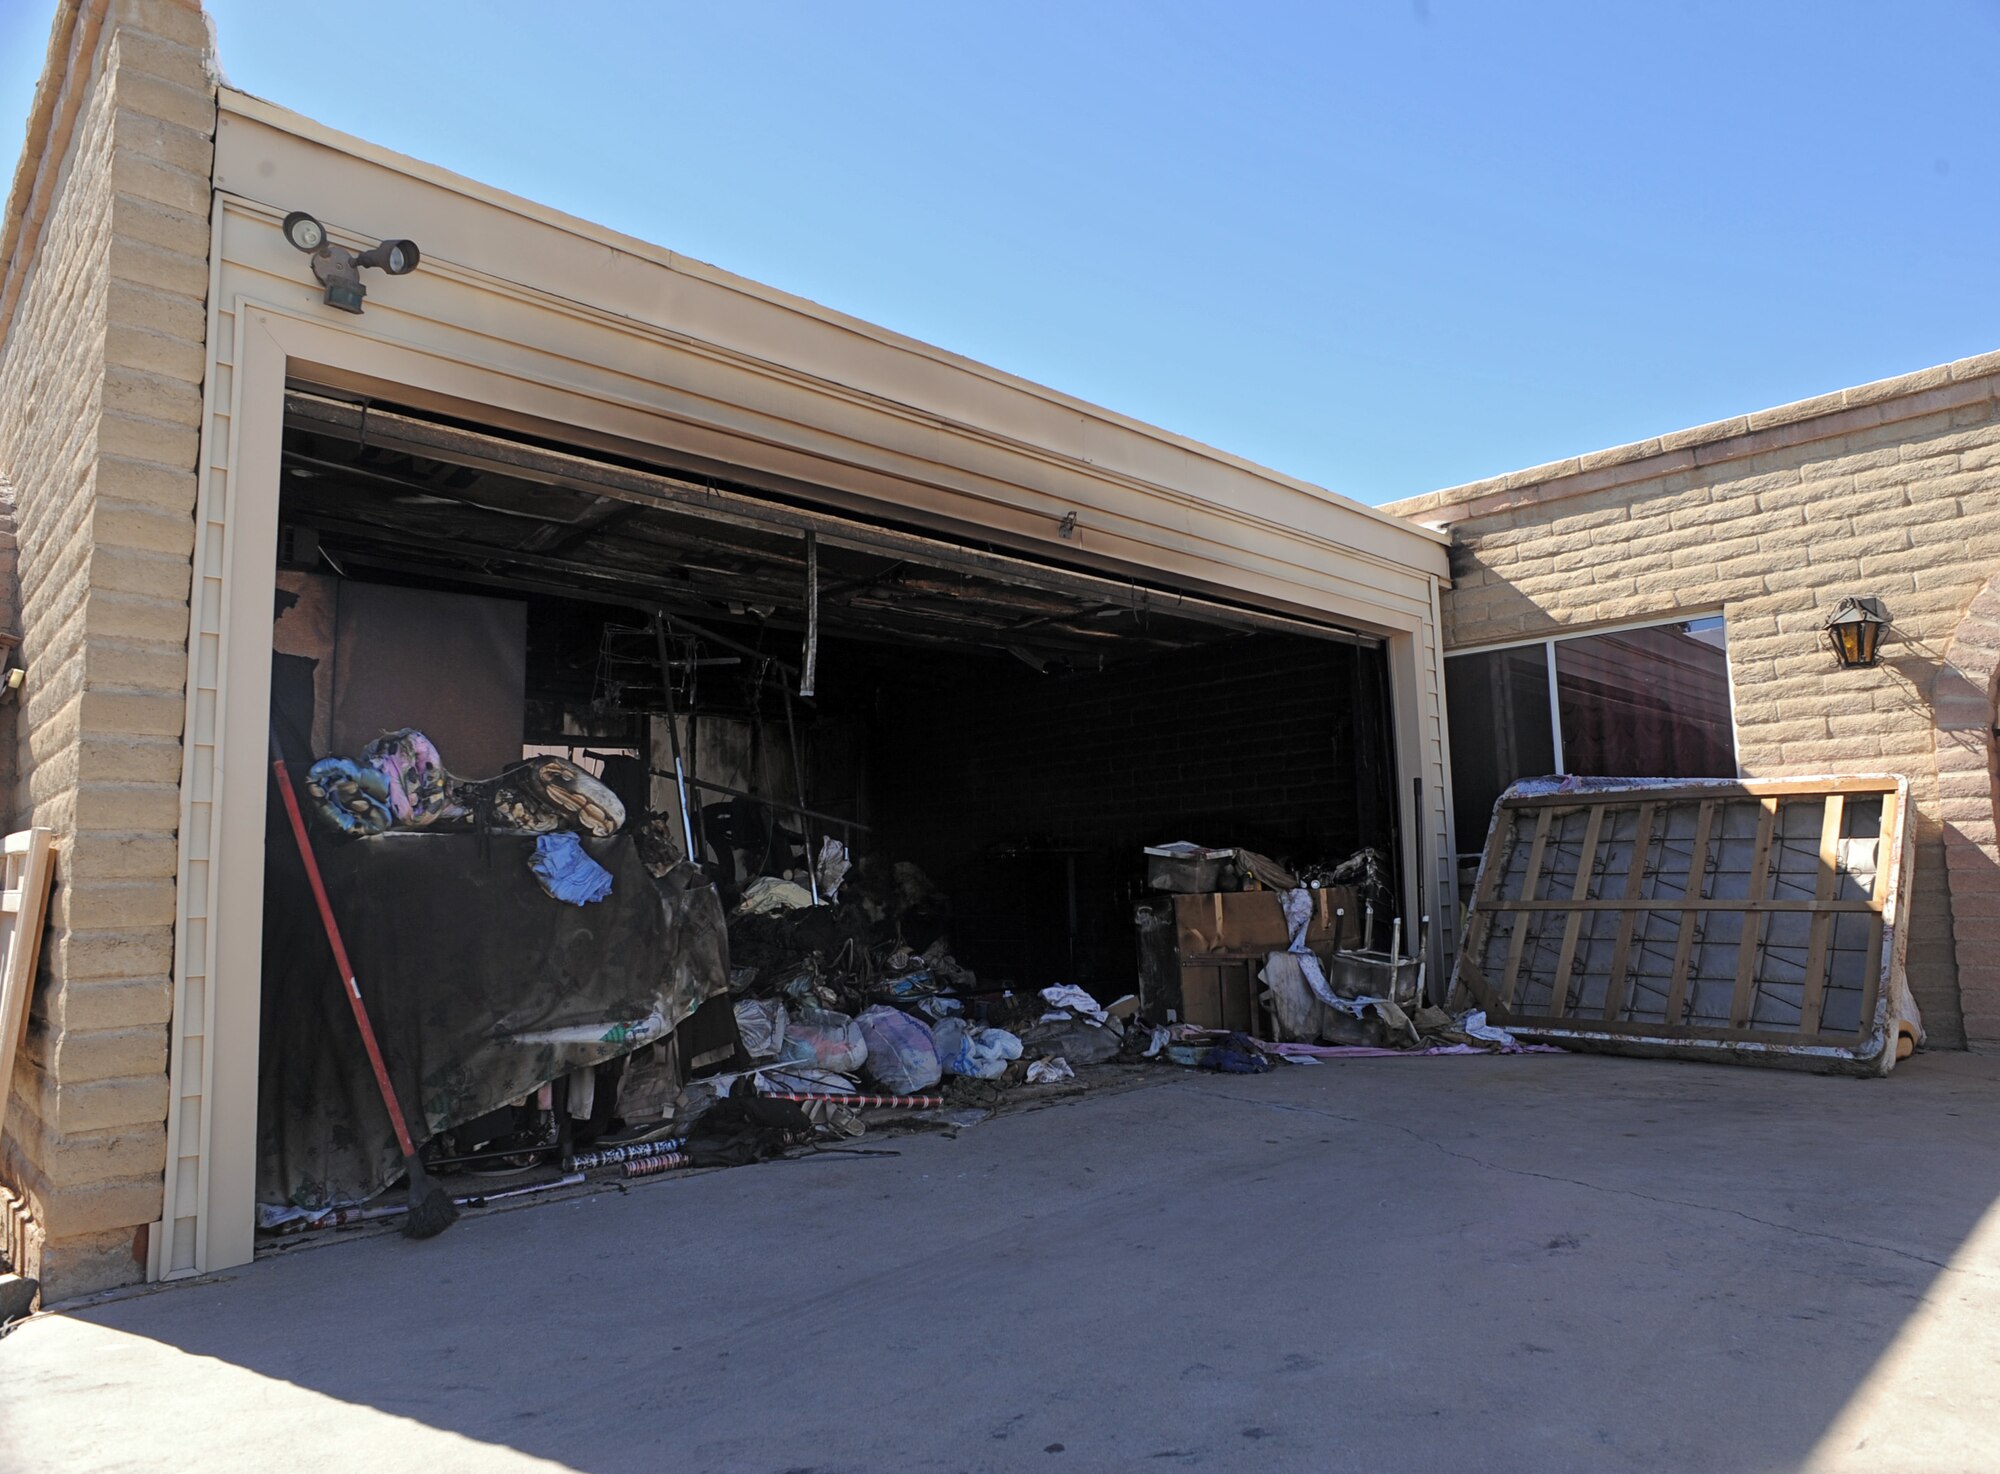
(338, 269)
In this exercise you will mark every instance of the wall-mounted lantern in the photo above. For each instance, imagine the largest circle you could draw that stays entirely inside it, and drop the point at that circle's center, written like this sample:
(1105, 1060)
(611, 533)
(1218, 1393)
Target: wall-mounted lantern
(1855, 628)
(338, 269)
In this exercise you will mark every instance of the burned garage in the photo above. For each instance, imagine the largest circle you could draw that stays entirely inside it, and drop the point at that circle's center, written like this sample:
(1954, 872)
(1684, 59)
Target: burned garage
(616, 781)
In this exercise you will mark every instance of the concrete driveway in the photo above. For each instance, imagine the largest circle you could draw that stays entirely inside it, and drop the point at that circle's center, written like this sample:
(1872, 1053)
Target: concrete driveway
(1535, 1263)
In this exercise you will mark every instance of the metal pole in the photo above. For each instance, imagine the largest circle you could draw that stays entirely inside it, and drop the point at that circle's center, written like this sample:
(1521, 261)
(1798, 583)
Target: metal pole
(674, 734)
(811, 661)
(799, 784)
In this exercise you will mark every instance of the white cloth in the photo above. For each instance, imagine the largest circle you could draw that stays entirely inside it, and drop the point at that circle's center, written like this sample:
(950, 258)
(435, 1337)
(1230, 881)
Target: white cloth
(1075, 1000)
(768, 893)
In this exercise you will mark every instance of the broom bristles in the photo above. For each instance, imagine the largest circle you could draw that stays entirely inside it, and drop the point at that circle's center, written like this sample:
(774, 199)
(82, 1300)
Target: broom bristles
(431, 1209)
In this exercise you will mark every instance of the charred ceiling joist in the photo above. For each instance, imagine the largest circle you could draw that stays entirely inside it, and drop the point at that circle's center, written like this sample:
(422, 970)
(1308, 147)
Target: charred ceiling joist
(401, 493)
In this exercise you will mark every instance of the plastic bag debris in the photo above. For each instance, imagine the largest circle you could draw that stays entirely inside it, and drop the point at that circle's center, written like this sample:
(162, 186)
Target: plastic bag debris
(761, 1022)
(831, 868)
(937, 957)
(805, 1080)
(1078, 1002)
(912, 985)
(1077, 1040)
(971, 1050)
(1474, 1024)
(902, 1058)
(819, 1036)
(1049, 1071)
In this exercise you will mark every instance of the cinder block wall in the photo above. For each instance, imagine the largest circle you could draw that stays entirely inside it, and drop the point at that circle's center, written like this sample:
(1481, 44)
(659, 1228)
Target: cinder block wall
(100, 398)
(1892, 489)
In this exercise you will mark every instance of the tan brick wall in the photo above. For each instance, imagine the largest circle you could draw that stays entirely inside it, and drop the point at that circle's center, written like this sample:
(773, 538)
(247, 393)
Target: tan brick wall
(100, 394)
(1891, 490)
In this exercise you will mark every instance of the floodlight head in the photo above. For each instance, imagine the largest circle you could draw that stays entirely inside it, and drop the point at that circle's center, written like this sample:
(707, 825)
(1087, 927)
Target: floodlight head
(304, 232)
(397, 257)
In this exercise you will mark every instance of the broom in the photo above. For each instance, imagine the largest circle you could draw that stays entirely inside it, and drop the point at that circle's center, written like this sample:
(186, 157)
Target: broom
(431, 1208)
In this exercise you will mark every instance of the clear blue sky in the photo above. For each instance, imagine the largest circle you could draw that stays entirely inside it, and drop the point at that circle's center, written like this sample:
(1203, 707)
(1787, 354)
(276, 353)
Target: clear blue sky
(1384, 246)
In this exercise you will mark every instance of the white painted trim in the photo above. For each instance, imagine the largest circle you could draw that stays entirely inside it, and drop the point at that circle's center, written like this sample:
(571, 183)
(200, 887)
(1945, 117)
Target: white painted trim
(1555, 707)
(1581, 631)
(175, 1248)
(1443, 889)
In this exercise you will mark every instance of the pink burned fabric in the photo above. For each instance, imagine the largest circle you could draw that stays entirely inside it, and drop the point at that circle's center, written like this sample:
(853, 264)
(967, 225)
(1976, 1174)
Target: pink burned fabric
(419, 787)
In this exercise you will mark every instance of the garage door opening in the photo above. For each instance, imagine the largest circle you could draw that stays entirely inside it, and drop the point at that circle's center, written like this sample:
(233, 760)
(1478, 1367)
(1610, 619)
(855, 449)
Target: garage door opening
(988, 742)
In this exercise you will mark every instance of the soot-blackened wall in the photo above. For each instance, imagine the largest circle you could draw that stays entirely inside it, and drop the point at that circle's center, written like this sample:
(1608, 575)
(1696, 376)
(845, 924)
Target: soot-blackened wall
(1271, 741)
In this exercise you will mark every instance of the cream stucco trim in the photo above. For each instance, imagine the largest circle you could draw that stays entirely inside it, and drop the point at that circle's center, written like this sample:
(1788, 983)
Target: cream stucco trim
(475, 202)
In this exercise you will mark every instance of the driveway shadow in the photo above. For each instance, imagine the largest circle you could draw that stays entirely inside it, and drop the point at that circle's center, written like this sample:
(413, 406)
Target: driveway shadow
(1534, 1263)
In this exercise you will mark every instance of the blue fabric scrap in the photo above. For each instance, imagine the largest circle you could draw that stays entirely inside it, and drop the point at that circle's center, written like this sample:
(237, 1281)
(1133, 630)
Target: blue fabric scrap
(566, 872)
(349, 796)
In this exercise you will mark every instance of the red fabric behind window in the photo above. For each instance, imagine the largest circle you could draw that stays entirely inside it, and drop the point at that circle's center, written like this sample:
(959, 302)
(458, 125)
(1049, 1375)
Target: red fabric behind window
(1649, 703)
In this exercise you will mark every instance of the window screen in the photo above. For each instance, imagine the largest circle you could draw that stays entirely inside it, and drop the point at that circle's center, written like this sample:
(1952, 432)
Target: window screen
(1651, 703)
(1501, 730)
(1641, 703)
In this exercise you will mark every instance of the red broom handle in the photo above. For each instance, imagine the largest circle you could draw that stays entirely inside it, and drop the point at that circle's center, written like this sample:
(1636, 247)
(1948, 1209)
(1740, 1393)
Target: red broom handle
(340, 958)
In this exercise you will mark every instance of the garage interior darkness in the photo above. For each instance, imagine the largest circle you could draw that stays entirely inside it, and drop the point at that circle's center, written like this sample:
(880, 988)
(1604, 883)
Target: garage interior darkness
(1017, 731)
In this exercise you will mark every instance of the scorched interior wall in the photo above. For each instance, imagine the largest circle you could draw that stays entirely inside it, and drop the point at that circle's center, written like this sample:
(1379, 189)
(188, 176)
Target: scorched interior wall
(1271, 741)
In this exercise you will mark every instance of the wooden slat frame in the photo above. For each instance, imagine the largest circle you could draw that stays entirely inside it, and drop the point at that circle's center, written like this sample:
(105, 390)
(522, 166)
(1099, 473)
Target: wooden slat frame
(1697, 878)
(1531, 881)
(1635, 877)
(1767, 905)
(1755, 884)
(1586, 861)
(1468, 981)
(1887, 863)
(1669, 793)
(1812, 999)
(28, 861)
(1837, 797)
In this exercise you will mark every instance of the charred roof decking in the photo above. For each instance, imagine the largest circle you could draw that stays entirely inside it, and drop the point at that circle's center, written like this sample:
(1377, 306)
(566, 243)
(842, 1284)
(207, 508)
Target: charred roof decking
(387, 489)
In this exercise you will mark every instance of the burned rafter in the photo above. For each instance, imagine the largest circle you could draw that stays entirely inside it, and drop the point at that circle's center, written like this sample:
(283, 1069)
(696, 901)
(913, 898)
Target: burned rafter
(682, 589)
(599, 519)
(728, 505)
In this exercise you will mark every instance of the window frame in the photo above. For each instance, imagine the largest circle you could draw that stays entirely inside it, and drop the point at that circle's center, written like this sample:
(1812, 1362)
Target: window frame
(1549, 640)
